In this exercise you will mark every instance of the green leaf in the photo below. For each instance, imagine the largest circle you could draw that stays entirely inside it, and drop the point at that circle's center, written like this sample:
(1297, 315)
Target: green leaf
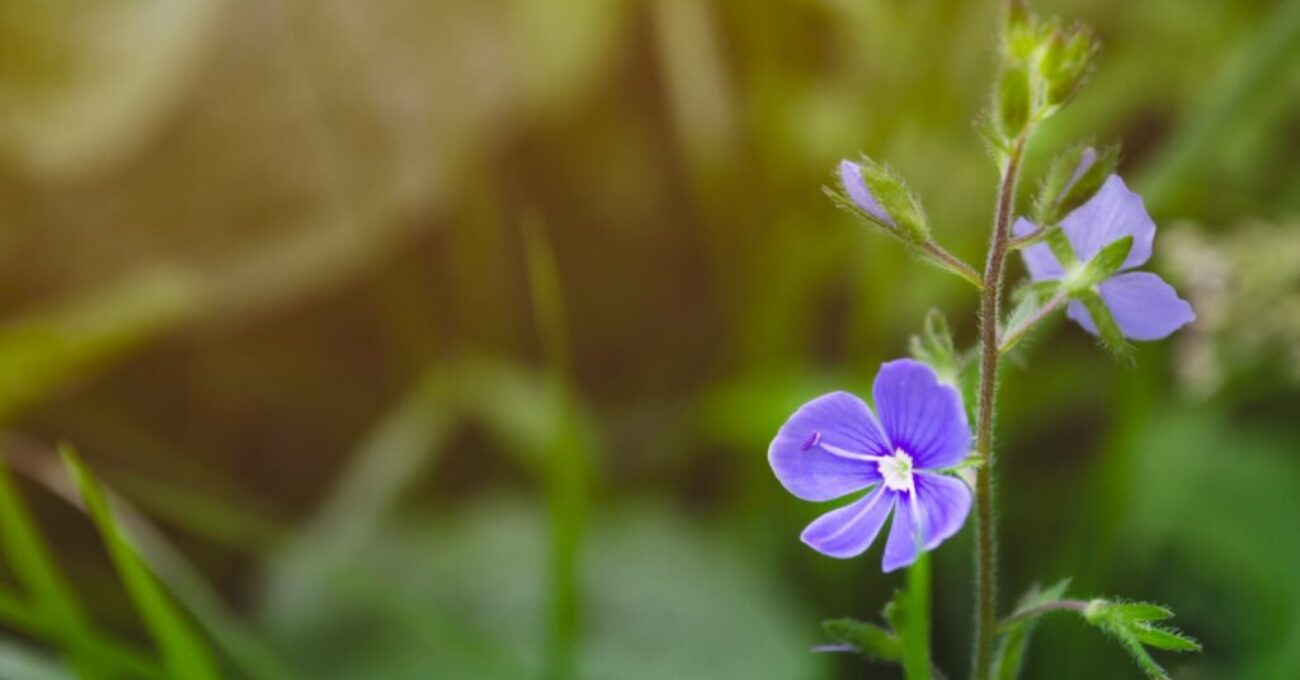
(1161, 637)
(1112, 338)
(1141, 611)
(1102, 266)
(867, 639)
(184, 654)
(1127, 622)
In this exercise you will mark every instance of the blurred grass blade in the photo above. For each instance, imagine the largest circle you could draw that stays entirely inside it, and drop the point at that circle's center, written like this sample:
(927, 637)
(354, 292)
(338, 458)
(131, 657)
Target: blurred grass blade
(245, 646)
(566, 461)
(101, 653)
(41, 353)
(184, 654)
(26, 554)
(388, 460)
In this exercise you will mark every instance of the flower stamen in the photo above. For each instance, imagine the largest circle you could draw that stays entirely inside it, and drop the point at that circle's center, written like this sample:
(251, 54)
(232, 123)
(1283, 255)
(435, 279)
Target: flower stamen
(896, 471)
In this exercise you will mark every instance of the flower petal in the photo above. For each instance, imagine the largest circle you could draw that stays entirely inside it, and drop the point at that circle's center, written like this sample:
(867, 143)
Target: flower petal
(1111, 214)
(1144, 306)
(902, 546)
(856, 188)
(945, 503)
(1039, 259)
(849, 531)
(811, 472)
(920, 415)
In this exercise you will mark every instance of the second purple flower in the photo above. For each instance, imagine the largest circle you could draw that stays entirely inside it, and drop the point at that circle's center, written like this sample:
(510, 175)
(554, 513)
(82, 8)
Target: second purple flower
(834, 445)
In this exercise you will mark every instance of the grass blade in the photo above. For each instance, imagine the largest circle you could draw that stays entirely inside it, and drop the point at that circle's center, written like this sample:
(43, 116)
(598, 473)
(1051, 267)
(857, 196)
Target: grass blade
(184, 654)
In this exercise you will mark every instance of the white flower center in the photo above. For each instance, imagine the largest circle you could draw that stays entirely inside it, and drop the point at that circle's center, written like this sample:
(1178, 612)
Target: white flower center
(897, 471)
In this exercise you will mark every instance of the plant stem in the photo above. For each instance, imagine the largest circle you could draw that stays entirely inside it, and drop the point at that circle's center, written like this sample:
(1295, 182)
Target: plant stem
(1030, 612)
(953, 264)
(916, 643)
(986, 615)
(1015, 333)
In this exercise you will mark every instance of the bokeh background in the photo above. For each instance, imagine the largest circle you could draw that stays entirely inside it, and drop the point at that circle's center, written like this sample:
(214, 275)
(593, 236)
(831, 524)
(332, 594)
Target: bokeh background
(445, 339)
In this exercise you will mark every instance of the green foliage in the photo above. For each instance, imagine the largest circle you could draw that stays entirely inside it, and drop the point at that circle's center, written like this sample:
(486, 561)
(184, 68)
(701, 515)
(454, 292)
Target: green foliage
(184, 652)
(1108, 332)
(1072, 178)
(934, 347)
(1042, 67)
(1102, 266)
(867, 639)
(1132, 626)
(907, 639)
(1009, 659)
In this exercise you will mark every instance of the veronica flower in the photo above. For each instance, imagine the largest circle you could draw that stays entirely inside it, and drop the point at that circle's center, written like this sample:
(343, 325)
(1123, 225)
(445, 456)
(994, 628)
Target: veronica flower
(1143, 305)
(834, 446)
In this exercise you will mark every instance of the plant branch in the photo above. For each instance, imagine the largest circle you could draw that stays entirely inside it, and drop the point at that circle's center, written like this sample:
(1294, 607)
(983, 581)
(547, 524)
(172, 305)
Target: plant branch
(1013, 335)
(990, 313)
(1038, 234)
(953, 263)
(1030, 612)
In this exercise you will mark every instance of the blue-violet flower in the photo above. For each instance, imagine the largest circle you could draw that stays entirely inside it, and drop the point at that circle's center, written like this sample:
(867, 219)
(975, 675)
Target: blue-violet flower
(1143, 305)
(834, 445)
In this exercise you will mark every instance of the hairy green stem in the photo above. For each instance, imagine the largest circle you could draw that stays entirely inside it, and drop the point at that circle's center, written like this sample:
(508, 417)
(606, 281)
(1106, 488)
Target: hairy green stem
(1013, 335)
(1030, 612)
(986, 615)
(954, 264)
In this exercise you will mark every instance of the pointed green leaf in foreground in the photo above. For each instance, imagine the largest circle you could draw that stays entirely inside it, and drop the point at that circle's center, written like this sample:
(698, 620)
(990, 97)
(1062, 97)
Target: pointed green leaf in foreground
(867, 639)
(184, 654)
(1103, 265)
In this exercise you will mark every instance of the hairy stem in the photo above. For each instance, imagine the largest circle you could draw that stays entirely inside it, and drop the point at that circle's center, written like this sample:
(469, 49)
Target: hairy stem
(986, 615)
(1030, 612)
(954, 264)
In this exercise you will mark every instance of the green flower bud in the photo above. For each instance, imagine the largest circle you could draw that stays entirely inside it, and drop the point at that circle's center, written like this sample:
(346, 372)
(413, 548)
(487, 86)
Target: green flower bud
(1014, 101)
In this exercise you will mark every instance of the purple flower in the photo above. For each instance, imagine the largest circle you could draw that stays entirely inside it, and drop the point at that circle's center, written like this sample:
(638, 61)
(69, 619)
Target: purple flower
(1143, 305)
(834, 445)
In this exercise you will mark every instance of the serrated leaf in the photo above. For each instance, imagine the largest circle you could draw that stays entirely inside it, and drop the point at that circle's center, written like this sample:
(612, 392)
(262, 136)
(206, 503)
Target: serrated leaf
(865, 638)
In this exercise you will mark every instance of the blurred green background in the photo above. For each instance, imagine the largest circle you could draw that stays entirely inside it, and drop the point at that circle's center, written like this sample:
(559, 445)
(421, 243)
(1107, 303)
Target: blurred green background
(445, 339)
